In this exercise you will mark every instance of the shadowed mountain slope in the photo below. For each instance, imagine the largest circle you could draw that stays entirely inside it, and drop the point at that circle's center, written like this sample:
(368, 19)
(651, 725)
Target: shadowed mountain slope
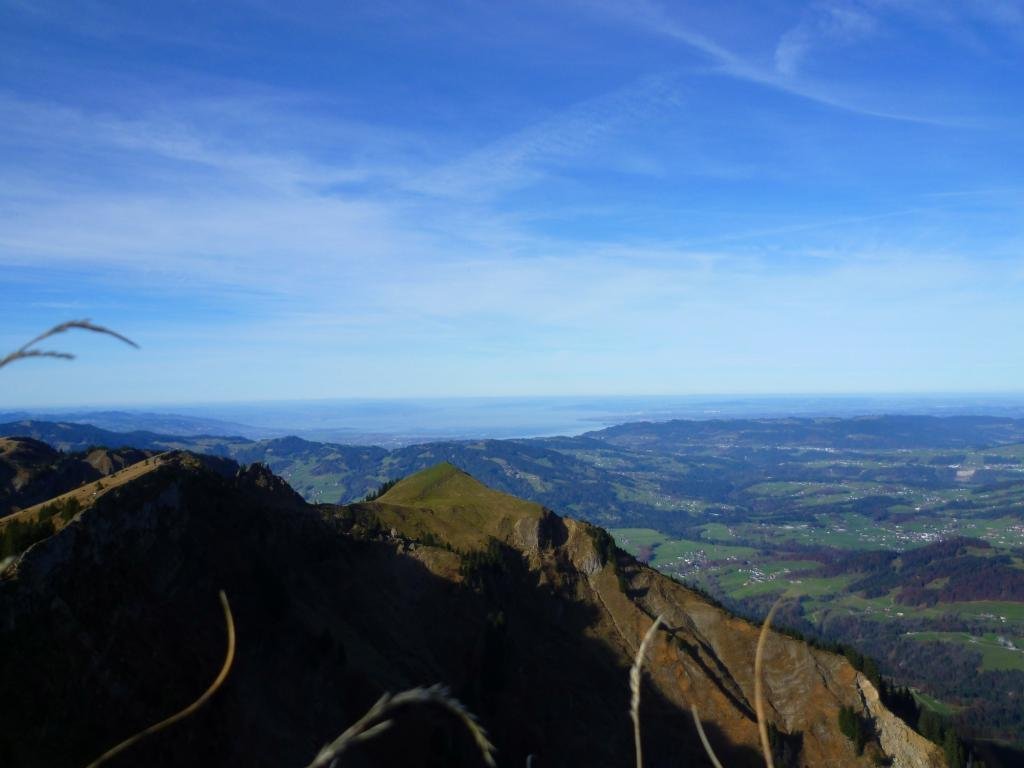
(32, 472)
(113, 623)
(77, 437)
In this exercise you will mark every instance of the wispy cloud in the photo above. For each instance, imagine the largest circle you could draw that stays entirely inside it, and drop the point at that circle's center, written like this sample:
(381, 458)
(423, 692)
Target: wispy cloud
(824, 25)
(782, 73)
(598, 208)
(551, 143)
(233, 137)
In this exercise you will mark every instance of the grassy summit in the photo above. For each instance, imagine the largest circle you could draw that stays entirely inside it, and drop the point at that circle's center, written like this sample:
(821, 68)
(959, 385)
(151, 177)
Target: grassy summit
(445, 502)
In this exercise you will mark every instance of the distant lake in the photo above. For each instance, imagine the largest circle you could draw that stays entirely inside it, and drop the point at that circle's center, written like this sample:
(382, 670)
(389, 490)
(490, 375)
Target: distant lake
(452, 418)
(399, 422)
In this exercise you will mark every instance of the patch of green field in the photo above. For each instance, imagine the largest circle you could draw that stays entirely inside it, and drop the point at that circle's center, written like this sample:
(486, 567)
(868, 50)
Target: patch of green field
(994, 655)
(1013, 612)
(1015, 451)
(859, 462)
(666, 550)
(851, 530)
(777, 566)
(868, 604)
(313, 487)
(819, 586)
(824, 500)
(631, 539)
(827, 596)
(1007, 531)
(778, 488)
(677, 548)
(718, 532)
(939, 707)
(997, 658)
(783, 577)
(762, 588)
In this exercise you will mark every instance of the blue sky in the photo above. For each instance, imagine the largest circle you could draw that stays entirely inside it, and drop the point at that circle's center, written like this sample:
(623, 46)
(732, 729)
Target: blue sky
(297, 200)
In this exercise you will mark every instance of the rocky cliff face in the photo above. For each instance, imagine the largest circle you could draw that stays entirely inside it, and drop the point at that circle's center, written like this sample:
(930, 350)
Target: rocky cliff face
(704, 658)
(113, 623)
(906, 747)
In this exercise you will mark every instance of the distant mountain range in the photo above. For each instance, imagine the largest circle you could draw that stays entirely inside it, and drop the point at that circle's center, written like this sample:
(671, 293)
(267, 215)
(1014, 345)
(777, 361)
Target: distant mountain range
(396, 423)
(619, 475)
(142, 421)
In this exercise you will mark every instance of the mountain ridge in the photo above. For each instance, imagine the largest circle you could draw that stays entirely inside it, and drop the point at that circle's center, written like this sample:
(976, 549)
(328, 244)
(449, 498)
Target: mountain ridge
(339, 473)
(758, 507)
(331, 599)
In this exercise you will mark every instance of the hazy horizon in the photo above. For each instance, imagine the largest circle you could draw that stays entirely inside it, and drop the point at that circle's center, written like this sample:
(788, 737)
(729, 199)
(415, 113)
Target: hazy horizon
(399, 421)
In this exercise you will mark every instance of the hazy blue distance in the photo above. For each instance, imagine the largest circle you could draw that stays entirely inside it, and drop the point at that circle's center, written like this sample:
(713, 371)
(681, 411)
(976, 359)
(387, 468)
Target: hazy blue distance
(400, 422)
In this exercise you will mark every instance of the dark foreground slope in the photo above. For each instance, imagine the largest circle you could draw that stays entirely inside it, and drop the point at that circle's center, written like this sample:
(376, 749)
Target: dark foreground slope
(113, 623)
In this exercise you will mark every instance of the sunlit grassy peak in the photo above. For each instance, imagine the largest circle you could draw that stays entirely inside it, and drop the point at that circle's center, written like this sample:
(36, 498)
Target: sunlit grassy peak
(446, 487)
(449, 503)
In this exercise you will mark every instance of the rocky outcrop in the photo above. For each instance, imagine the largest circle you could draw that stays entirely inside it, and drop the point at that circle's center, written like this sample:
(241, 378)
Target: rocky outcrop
(581, 547)
(705, 658)
(906, 747)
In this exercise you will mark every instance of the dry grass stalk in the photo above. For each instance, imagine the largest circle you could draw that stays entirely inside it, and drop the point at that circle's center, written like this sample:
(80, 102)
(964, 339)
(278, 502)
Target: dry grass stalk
(634, 687)
(376, 721)
(191, 708)
(26, 350)
(703, 737)
(762, 722)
